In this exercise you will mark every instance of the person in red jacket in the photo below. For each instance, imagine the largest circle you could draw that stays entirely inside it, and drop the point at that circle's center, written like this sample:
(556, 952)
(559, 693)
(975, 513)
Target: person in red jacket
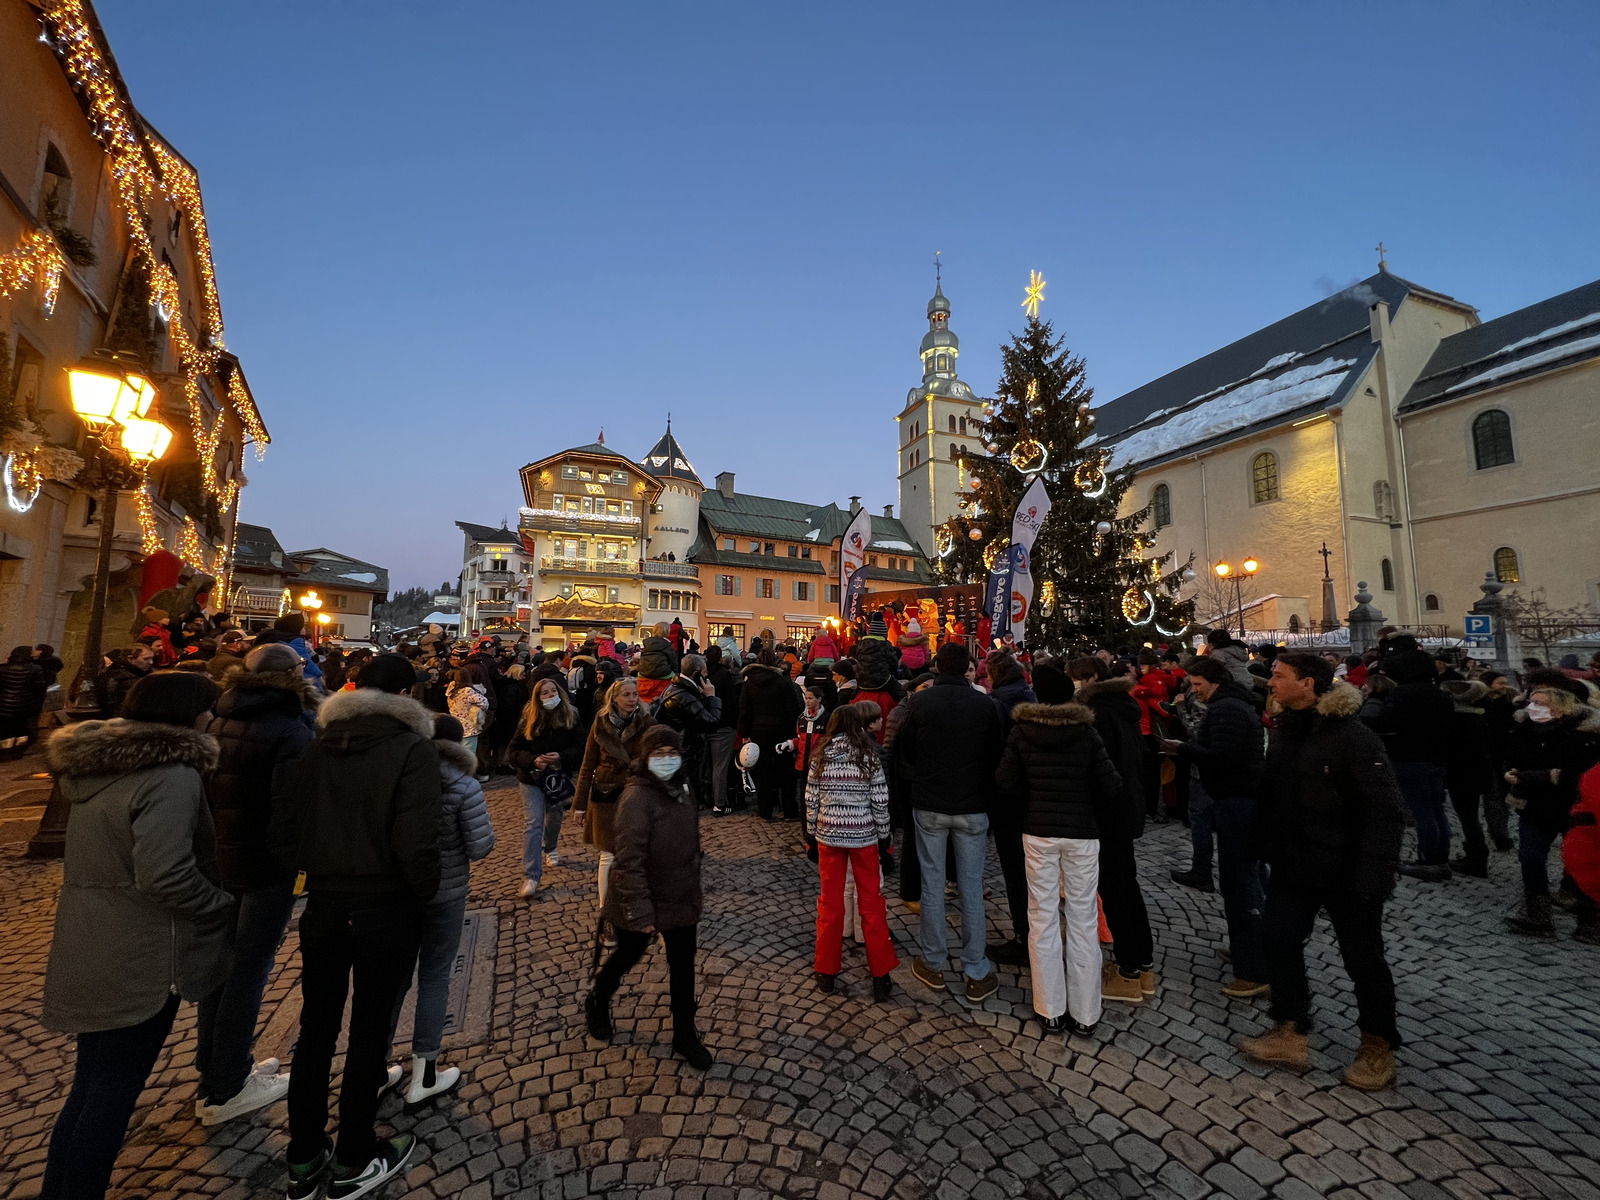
(1580, 856)
(823, 647)
(809, 729)
(1153, 689)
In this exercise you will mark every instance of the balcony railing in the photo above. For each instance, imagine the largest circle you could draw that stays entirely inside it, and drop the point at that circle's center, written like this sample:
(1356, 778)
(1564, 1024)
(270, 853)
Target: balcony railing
(495, 606)
(490, 576)
(550, 518)
(553, 564)
(652, 569)
(257, 602)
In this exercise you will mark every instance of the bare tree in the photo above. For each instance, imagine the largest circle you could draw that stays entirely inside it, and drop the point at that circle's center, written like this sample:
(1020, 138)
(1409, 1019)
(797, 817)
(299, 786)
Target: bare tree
(1215, 602)
(1540, 623)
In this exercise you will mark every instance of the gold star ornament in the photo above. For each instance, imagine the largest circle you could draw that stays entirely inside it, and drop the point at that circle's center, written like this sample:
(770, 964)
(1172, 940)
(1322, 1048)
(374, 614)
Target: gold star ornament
(1034, 294)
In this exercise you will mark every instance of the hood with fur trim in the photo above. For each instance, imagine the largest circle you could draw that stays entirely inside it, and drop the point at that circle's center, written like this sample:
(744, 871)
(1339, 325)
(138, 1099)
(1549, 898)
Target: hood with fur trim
(119, 747)
(456, 755)
(1086, 692)
(1341, 700)
(1069, 713)
(370, 702)
(296, 684)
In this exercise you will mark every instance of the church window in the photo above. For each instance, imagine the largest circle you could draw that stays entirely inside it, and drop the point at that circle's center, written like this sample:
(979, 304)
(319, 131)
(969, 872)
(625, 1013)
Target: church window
(952, 422)
(963, 427)
(1506, 568)
(1294, 622)
(1430, 602)
(1387, 569)
(952, 452)
(1491, 439)
(1161, 505)
(1383, 500)
(1264, 477)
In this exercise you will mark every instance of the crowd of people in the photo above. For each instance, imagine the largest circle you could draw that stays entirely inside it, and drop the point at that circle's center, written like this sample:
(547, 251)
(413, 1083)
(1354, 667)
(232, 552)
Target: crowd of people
(235, 777)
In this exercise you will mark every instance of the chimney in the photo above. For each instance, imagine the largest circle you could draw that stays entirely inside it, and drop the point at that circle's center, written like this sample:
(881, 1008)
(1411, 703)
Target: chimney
(1378, 316)
(888, 511)
(855, 505)
(725, 484)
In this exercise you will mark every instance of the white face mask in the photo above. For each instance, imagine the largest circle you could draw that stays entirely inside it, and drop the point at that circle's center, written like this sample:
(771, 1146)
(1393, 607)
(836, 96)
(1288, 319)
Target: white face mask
(666, 767)
(551, 702)
(1538, 712)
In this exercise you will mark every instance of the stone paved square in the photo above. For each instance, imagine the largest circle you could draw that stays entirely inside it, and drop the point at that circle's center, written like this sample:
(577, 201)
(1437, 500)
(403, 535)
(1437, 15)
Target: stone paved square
(927, 1096)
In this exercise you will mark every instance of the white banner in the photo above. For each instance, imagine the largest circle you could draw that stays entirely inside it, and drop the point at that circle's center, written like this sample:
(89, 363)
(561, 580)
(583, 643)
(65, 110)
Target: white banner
(852, 557)
(1025, 525)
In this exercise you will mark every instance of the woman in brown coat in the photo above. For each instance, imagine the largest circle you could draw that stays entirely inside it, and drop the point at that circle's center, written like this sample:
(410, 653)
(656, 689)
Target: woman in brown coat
(655, 888)
(613, 741)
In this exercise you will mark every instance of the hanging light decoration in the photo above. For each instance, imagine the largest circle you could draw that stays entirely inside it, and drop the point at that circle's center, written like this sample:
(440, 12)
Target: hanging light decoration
(1090, 478)
(24, 481)
(1172, 633)
(1103, 528)
(993, 551)
(1188, 574)
(944, 541)
(988, 410)
(975, 534)
(1047, 597)
(1029, 456)
(1138, 606)
(994, 447)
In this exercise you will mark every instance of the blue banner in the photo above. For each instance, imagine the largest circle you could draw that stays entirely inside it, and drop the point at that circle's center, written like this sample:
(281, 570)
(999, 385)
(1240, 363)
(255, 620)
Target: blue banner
(997, 596)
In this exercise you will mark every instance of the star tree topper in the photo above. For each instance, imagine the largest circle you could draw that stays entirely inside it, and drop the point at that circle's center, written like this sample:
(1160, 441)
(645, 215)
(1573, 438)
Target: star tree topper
(1034, 294)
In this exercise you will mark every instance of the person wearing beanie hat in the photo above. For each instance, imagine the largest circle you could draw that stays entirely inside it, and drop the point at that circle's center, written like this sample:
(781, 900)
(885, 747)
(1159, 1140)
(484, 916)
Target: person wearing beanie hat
(1050, 683)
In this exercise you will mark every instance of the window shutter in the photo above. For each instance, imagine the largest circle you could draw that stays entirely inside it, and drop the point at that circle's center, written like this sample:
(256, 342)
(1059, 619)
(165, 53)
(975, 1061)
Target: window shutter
(737, 581)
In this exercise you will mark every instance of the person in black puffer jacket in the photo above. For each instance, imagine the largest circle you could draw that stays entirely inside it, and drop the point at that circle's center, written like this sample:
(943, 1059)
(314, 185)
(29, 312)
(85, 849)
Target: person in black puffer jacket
(22, 689)
(692, 707)
(720, 741)
(1056, 774)
(1116, 719)
(1415, 724)
(769, 705)
(1010, 688)
(263, 724)
(658, 660)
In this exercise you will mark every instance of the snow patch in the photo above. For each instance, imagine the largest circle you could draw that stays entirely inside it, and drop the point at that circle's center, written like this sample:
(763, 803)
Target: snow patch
(1553, 332)
(1214, 415)
(1528, 362)
(1280, 360)
(360, 576)
(891, 545)
(813, 535)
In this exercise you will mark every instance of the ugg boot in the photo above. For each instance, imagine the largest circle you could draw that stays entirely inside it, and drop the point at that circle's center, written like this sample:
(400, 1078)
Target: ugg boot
(1281, 1046)
(1534, 918)
(597, 1017)
(427, 1080)
(882, 987)
(1374, 1064)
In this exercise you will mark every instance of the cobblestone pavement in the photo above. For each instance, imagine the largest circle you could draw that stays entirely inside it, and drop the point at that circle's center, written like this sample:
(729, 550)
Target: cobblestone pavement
(830, 1097)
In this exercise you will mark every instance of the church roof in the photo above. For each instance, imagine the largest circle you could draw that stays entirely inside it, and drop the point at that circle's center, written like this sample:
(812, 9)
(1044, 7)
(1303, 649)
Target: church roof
(939, 303)
(667, 460)
(1551, 334)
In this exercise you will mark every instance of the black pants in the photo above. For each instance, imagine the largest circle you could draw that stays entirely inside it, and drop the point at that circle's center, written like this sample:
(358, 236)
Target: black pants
(111, 1071)
(1126, 917)
(1007, 830)
(372, 939)
(773, 776)
(680, 947)
(1357, 924)
(1465, 787)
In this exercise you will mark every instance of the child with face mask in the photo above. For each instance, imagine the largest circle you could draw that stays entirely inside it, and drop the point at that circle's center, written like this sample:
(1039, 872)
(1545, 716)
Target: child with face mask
(546, 751)
(654, 888)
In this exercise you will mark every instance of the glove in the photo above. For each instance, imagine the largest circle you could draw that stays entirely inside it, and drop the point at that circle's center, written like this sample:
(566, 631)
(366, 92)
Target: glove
(784, 747)
(886, 855)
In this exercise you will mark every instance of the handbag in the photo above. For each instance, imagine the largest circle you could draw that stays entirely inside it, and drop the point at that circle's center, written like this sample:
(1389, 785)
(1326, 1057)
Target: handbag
(558, 788)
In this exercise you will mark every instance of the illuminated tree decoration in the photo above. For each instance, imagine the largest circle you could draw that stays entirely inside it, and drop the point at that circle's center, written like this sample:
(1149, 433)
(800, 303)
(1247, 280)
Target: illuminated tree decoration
(1034, 295)
(976, 534)
(24, 481)
(1172, 633)
(1090, 476)
(1138, 606)
(993, 551)
(944, 541)
(1047, 597)
(1029, 457)
(37, 257)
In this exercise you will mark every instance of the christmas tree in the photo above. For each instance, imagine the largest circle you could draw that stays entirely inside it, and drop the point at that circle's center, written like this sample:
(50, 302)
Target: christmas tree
(1097, 577)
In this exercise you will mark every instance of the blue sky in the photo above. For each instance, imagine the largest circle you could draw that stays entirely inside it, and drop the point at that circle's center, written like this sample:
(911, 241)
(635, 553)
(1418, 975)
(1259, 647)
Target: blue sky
(453, 239)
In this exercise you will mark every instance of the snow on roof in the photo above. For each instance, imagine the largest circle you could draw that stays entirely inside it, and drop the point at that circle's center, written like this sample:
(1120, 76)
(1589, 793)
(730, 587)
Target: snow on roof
(813, 535)
(1553, 331)
(441, 618)
(890, 545)
(360, 576)
(1529, 361)
(1214, 415)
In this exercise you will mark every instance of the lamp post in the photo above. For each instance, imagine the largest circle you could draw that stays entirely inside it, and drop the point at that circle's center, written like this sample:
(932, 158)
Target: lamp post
(310, 605)
(1226, 572)
(323, 621)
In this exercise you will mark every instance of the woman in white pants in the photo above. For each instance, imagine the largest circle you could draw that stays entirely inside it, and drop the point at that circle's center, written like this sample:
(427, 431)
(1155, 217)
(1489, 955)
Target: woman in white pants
(1056, 768)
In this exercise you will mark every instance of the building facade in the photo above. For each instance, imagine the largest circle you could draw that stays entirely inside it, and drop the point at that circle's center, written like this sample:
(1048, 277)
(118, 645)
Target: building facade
(939, 418)
(345, 587)
(1421, 447)
(495, 584)
(103, 246)
(263, 578)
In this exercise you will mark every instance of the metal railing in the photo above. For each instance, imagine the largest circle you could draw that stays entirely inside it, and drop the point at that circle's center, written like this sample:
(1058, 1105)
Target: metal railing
(586, 566)
(653, 569)
(257, 601)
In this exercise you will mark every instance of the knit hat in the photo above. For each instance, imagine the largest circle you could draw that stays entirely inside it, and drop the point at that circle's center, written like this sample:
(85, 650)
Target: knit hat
(876, 626)
(272, 658)
(1050, 683)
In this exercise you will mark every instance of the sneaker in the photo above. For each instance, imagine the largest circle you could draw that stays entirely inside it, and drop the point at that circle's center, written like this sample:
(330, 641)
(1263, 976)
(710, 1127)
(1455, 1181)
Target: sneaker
(826, 983)
(608, 936)
(552, 858)
(387, 1162)
(267, 1066)
(1198, 880)
(1280, 1046)
(882, 988)
(1076, 1028)
(528, 890)
(391, 1079)
(597, 1017)
(1114, 985)
(428, 1081)
(1009, 953)
(1374, 1064)
(305, 1179)
(979, 990)
(258, 1092)
(688, 1046)
(1053, 1025)
(1244, 989)
(926, 975)
(718, 812)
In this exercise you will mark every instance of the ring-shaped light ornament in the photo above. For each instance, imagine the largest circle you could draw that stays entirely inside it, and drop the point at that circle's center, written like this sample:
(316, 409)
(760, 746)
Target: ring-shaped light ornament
(944, 541)
(24, 481)
(1172, 633)
(1138, 606)
(1091, 479)
(1047, 597)
(1029, 456)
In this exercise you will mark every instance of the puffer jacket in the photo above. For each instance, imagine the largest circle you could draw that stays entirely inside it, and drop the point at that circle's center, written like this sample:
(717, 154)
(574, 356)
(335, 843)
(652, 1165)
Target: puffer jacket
(1580, 845)
(731, 658)
(1236, 657)
(769, 703)
(655, 878)
(823, 648)
(1056, 771)
(1229, 744)
(1416, 716)
(140, 915)
(877, 663)
(1567, 745)
(1328, 815)
(844, 808)
(465, 834)
(1116, 720)
(658, 660)
(22, 689)
(263, 724)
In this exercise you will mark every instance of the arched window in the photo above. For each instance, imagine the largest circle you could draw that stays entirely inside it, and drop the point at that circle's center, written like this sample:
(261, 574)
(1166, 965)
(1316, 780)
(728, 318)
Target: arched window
(1161, 505)
(1388, 575)
(1294, 622)
(963, 427)
(1383, 500)
(1491, 439)
(952, 452)
(952, 422)
(1430, 602)
(1264, 477)
(1506, 569)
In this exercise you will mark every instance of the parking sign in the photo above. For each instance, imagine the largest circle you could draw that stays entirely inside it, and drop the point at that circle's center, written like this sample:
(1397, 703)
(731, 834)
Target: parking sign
(1479, 625)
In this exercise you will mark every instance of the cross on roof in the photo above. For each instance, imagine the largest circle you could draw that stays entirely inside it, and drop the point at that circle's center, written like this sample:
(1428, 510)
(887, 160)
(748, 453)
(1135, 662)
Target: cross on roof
(938, 276)
(1383, 257)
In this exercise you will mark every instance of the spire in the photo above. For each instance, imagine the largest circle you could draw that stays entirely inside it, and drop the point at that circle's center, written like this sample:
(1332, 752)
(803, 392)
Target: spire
(602, 438)
(667, 460)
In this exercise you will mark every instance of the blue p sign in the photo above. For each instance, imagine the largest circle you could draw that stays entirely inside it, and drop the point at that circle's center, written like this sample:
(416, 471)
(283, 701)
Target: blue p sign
(1479, 625)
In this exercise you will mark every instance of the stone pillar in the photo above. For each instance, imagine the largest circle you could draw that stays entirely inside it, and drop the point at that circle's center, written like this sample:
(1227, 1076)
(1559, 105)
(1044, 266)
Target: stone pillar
(1506, 644)
(1330, 618)
(1365, 621)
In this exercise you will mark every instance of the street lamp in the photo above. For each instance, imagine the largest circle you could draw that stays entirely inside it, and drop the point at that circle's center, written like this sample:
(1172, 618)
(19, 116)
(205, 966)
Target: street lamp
(310, 602)
(1225, 572)
(323, 620)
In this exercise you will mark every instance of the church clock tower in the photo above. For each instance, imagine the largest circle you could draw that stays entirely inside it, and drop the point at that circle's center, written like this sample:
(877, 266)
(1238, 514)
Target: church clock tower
(937, 425)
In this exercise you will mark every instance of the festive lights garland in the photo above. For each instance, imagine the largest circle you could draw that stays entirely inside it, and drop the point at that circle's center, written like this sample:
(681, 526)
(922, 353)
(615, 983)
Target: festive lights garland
(37, 257)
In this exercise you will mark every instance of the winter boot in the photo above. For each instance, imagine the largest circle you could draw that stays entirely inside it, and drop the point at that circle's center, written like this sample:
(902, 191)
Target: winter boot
(1114, 985)
(827, 984)
(687, 1045)
(597, 1016)
(1200, 881)
(1374, 1064)
(427, 1081)
(1534, 918)
(1475, 865)
(1009, 953)
(1280, 1046)
(882, 986)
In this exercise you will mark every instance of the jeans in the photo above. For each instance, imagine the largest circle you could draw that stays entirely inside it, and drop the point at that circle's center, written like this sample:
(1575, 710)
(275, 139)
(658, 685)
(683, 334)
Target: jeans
(1007, 830)
(679, 944)
(833, 864)
(1422, 786)
(719, 750)
(1126, 917)
(1063, 872)
(225, 1027)
(440, 938)
(1201, 826)
(371, 938)
(541, 826)
(1242, 898)
(111, 1071)
(1533, 856)
(1357, 924)
(970, 833)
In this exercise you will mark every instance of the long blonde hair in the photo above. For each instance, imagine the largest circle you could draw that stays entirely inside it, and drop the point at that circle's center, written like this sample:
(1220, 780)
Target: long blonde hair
(536, 718)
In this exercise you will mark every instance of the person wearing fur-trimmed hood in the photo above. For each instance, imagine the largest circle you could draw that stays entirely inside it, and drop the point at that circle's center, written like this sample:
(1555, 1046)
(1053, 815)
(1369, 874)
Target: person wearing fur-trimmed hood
(141, 922)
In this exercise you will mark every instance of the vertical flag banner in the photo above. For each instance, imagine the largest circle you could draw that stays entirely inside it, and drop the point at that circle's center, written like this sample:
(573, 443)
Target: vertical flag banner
(1030, 516)
(997, 597)
(852, 557)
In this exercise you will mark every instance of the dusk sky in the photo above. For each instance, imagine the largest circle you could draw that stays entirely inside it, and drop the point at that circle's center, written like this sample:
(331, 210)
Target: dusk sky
(452, 239)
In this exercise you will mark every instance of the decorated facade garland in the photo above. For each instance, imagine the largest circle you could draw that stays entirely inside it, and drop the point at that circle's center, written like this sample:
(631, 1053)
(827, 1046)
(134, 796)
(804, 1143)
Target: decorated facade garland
(37, 257)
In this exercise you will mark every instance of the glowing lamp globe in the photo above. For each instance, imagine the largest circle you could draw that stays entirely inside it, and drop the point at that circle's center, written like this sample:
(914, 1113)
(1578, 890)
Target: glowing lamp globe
(1223, 570)
(975, 534)
(144, 441)
(1251, 566)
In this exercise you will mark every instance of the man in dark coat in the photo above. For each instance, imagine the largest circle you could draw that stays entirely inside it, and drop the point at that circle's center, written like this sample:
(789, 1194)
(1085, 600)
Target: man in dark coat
(1328, 820)
(769, 705)
(129, 664)
(361, 818)
(1228, 749)
(720, 741)
(949, 746)
(1415, 725)
(692, 707)
(1010, 684)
